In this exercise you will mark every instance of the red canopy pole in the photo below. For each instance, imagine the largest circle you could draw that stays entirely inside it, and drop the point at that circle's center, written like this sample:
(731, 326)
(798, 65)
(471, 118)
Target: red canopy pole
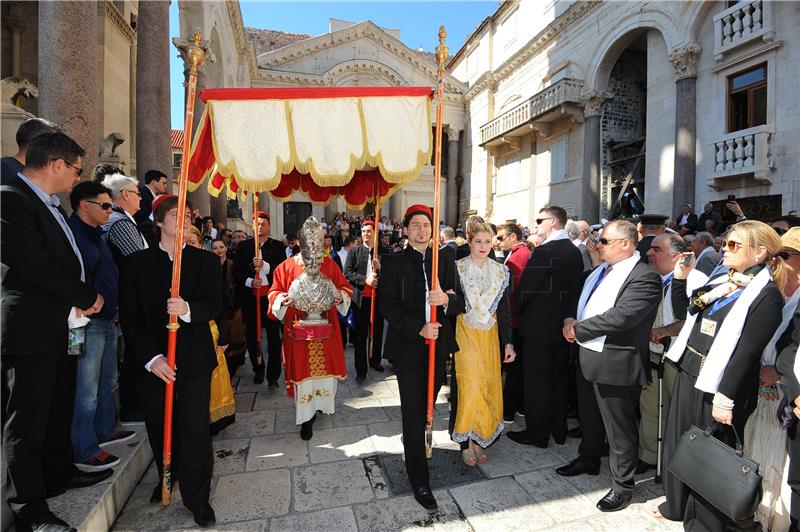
(194, 58)
(441, 58)
(374, 256)
(257, 290)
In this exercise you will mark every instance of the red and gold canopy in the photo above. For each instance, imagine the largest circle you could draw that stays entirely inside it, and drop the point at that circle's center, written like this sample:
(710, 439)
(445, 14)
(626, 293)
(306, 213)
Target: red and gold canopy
(356, 142)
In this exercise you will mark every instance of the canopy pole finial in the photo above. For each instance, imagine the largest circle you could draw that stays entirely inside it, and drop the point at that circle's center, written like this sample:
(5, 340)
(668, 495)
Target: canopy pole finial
(441, 51)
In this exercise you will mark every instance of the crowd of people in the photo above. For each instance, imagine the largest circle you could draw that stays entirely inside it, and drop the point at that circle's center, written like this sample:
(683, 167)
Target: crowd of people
(633, 327)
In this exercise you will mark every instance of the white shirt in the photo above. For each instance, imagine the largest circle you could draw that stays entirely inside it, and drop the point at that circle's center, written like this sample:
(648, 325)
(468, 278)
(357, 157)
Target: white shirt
(559, 234)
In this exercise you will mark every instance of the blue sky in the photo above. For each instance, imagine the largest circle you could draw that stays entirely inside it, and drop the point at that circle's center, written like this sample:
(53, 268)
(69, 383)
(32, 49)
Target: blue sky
(418, 23)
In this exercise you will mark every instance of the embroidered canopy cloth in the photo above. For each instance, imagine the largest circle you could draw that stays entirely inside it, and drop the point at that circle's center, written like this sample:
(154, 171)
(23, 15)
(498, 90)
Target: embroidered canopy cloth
(355, 142)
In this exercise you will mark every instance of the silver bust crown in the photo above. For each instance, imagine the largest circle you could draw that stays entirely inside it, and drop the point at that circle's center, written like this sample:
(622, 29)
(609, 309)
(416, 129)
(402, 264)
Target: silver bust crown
(312, 292)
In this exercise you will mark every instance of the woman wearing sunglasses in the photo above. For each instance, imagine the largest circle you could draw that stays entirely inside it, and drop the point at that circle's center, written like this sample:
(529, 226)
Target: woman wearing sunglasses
(731, 319)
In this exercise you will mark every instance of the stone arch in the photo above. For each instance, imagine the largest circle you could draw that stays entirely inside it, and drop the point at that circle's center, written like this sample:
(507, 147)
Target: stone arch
(615, 41)
(693, 18)
(348, 72)
(214, 70)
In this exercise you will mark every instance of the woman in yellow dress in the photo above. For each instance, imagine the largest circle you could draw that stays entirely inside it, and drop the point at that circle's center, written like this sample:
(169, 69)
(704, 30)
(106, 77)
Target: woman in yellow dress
(484, 290)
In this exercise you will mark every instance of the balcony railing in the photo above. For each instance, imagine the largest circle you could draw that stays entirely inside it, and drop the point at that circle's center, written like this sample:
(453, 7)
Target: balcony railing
(743, 152)
(561, 92)
(741, 23)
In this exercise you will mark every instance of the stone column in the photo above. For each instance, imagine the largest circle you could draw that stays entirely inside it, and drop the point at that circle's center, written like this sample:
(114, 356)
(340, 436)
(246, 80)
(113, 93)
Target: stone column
(153, 151)
(590, 189)
(68, 72)
(451, 195)
(14, 23)
(684, 59)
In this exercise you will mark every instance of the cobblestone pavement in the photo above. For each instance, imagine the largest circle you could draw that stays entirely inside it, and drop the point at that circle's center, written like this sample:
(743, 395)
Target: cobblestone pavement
(267, 478)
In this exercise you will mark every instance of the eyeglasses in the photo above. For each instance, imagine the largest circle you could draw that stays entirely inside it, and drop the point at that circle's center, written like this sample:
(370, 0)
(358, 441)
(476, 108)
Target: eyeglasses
(132, 191)
(540, 220)
(607, 241)
(785, 255)
(732, 245)
(78, 170)
(780, 230)
(103, 205)
(500, 238)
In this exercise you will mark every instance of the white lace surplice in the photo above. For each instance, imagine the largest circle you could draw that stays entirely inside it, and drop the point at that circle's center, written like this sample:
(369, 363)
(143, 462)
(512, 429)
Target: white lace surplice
(483, 288)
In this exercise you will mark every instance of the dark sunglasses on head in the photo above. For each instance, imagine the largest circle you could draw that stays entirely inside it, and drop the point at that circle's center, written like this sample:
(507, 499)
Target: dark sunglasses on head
(103, 205)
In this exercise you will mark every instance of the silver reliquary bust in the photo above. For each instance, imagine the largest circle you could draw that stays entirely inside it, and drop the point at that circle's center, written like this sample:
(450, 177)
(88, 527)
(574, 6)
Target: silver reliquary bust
(312, 292)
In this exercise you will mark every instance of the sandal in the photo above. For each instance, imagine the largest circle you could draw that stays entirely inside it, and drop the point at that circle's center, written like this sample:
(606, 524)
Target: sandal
(468, 457)
(656, 513)
(481, 455)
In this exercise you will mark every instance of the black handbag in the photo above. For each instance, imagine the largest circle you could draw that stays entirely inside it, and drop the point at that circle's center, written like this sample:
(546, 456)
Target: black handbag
(720, 474)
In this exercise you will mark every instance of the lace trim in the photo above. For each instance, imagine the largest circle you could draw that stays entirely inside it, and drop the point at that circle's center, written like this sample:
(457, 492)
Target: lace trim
(499, 296)
(464, 436)
(469, 317)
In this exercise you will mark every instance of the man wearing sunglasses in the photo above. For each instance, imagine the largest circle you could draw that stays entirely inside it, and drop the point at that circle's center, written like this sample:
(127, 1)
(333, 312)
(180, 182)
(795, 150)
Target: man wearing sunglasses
(615, 315)
(547, 293)
(95, 417)
(44, 276)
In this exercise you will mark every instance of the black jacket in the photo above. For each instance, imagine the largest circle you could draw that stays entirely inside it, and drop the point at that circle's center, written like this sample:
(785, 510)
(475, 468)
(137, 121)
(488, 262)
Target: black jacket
(402, 303)
(355, 271)
(272, 252)
(644, 246)
(41, 276)
(145, 207)
(548, 291)
(144, 290)
(625, 359)
(787, 352)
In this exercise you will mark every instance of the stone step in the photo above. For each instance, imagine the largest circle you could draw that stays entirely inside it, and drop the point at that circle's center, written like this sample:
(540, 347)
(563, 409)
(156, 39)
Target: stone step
(97, 507)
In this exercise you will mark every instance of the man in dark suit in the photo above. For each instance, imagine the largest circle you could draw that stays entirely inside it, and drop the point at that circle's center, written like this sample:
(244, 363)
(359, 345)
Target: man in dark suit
(43, 277)
(686, 220)
(447, 238)
(361, 271)
(155, 184)
(649, 227)
(406, 296)
(253, 274)
(613, 329)
(547, 293)
(144, 288)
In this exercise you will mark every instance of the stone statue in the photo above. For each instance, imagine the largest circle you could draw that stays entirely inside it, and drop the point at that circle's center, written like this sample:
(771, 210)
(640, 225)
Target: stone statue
(312, 292)
(109, 145)
(14, 88)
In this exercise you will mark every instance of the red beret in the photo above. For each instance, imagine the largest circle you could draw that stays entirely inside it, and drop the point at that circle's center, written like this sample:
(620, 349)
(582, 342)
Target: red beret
(368, 222)
(328, 236)
(419, 208)
(159, 199)
(262, 214)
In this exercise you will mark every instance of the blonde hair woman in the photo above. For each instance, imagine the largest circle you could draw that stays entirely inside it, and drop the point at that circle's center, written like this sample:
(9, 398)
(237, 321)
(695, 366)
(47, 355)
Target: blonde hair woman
(730, 321)
(483, 289)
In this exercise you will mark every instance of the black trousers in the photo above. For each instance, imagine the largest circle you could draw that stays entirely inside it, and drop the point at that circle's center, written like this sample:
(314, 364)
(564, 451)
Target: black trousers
(618, 406)
(128, 404)
(594, 433)
(273, 330)
(544, 380)
(192, 454)
(512, 387)
(38, 396)
(412, 380)
(793, 447)
(454, 403)
(361, 337)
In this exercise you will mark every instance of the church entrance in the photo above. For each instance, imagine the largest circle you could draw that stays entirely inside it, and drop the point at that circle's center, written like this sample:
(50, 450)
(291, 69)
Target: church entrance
(295, 213)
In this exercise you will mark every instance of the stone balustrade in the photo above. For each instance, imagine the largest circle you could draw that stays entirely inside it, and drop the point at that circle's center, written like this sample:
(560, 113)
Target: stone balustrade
(743, 152)
(563, 91)
(742, 23)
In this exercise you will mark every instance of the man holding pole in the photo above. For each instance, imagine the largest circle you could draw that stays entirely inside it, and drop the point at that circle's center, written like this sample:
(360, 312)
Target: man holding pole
(253, 275)
(361, 269)
(145, 307)
(405, 302)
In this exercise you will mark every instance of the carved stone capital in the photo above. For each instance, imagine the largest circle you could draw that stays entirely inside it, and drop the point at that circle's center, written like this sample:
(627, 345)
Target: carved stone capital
(452, 133)
(593, 102)
(684, 60)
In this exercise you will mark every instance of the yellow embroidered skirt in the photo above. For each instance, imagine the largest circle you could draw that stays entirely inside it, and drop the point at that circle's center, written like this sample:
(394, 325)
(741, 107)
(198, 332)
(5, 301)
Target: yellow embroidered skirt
(222, 407)
(479, 416)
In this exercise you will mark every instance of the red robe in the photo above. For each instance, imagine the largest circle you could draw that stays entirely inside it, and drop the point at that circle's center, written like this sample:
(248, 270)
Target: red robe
(309, 359)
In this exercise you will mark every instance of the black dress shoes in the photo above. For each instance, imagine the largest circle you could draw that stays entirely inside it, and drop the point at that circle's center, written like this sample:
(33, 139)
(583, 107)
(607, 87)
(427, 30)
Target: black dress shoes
(258, 378)
(644, 467)
(525, 439)
(204, 515)
(378, 367)
(45, 523)
(578, 467)
(307, 428)
(576, 433)
(613, 501)
(424, 496)
(272, 384)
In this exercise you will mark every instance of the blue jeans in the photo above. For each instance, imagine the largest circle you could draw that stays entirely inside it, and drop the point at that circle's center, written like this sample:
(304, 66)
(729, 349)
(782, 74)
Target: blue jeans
(95, 410)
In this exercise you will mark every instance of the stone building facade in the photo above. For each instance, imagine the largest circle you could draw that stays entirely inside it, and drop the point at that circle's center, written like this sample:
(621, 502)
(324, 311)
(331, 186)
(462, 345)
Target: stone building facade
(670, 102)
